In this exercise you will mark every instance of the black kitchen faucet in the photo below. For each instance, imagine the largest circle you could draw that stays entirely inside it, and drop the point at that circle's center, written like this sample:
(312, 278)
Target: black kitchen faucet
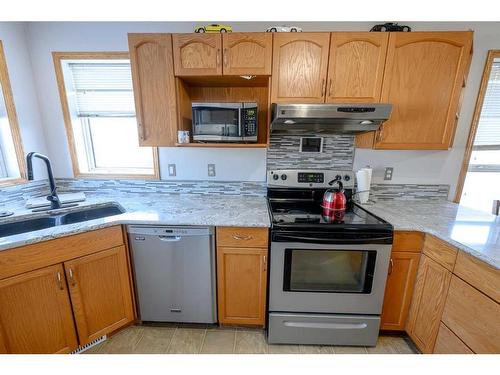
(52, 197)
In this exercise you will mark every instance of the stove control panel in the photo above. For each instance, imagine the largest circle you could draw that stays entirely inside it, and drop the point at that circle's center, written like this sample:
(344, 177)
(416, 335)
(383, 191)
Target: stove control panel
(308, 178)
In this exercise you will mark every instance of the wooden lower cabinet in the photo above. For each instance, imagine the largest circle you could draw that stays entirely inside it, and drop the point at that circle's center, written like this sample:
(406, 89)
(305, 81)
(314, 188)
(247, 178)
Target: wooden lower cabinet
(431, 289)
(100, 293)
(35, 313)
(242, 285)
(399, 290)
(448, 343)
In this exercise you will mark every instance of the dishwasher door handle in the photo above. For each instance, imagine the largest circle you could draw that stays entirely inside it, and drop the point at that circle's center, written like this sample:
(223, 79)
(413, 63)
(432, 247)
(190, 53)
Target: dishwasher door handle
(169, 238)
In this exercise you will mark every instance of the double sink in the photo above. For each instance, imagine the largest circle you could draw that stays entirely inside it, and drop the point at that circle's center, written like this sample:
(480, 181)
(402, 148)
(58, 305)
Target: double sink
(52, 220)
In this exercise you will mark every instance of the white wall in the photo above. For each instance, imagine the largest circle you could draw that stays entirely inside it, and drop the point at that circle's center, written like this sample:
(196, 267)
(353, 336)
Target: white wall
(14, 38)
(425, 167)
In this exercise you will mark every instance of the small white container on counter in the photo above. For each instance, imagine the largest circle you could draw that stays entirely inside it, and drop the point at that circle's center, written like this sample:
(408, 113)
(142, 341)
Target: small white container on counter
(364, 178)
(183, 136)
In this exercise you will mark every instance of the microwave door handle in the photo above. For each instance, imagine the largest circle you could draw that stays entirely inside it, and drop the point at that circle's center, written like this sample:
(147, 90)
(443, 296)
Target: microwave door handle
(240, 122)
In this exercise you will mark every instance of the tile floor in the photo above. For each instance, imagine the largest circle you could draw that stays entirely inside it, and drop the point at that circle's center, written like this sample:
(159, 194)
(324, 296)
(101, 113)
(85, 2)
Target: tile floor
(194, 339)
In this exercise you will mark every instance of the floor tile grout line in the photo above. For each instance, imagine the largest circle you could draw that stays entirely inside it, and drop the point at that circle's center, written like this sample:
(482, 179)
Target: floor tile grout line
(202, 341)
(234, 342)
(171, 339)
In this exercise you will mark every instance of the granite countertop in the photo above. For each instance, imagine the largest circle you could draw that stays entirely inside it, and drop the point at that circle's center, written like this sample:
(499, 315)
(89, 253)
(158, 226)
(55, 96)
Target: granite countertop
(474, 232)
(156, 209)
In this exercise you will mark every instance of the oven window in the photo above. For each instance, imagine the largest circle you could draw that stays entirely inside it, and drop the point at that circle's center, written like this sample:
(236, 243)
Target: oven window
(331, 271)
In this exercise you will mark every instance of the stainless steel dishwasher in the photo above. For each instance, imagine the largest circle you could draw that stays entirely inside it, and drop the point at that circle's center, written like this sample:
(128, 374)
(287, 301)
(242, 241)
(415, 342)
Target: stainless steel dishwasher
(174, 269)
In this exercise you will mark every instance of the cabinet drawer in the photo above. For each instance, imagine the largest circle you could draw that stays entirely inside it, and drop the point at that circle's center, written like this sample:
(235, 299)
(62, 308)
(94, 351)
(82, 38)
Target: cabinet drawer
(242, 237)
(27, 258)
(448, 343)
(478, 274)
(473, 317)
(440, 251)
(408, 241)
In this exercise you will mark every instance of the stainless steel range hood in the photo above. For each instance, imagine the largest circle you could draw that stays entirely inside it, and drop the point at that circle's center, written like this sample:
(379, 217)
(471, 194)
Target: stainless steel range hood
(301, 119)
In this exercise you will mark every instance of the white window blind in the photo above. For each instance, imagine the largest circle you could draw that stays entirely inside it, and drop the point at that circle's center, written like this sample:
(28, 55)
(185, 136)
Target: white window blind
(103, 88)
(488, 131)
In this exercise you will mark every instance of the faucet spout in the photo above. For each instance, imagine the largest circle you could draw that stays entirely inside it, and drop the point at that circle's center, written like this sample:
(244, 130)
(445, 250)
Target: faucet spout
(52, 197)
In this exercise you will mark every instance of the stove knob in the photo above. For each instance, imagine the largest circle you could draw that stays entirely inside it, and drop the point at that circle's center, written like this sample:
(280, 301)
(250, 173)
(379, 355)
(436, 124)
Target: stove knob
(338, 177)
(275, 176)
(283, 177)
(347, 177)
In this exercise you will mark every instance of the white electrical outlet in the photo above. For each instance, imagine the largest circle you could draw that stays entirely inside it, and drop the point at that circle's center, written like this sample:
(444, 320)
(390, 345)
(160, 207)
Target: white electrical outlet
(171, 170)
(388, 173)
(211, 170)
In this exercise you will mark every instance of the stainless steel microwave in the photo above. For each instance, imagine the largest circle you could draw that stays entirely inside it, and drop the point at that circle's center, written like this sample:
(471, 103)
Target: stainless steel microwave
(225, 122)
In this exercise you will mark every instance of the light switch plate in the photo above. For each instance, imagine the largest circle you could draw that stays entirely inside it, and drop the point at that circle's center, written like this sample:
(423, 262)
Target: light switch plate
(388, 173)
(171, 170)
(211, 170)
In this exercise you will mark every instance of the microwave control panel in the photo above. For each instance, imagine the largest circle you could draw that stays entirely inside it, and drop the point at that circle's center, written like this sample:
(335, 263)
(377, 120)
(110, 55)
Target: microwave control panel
(250, 121)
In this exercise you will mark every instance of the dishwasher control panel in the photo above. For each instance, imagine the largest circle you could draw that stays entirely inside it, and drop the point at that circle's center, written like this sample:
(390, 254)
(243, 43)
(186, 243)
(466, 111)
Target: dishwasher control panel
(141, 231)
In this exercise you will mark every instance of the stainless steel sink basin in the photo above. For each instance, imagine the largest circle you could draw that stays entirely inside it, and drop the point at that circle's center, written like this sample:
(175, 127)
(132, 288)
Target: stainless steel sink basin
(90, 214)
(77, 216)
(31, 225)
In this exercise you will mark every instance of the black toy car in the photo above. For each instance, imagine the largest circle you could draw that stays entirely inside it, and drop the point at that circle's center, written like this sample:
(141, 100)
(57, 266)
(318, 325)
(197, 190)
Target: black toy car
(391, 26)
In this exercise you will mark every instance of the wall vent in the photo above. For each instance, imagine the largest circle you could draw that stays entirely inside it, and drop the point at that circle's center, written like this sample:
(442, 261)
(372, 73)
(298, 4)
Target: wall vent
(91, 344)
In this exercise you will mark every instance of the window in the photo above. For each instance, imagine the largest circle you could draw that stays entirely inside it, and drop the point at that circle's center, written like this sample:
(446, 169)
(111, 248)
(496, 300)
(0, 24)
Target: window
(482, 180)
(98, 101)
(12, 166)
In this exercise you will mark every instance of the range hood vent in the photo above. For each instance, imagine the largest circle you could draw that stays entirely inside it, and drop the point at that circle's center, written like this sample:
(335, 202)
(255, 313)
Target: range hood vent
(302, 119)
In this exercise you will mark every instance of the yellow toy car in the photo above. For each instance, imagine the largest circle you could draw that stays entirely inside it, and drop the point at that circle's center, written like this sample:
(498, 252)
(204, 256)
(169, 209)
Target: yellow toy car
(214, 28)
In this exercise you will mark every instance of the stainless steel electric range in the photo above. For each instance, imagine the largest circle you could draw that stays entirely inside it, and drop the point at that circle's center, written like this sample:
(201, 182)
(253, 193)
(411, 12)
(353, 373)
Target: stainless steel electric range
(327, 278)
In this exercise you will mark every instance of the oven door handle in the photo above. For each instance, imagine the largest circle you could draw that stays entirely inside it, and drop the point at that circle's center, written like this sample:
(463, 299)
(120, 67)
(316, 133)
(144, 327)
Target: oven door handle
(319, 240)
(324, 325)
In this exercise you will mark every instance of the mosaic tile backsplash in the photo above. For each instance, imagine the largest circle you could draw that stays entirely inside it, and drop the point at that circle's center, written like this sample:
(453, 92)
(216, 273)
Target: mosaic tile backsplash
(384, 192)
(338, 153)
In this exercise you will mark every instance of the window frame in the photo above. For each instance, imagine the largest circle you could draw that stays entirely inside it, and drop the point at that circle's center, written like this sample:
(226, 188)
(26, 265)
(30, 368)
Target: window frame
(492, 54)
(58, 58)
(13, 122)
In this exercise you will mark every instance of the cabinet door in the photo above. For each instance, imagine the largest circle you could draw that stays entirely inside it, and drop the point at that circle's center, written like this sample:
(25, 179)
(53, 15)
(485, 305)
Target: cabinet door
(448, 343)
(35, 313)
(197, 54)
(247, 53)
(100, 292)
(154, 88)
(431, 289)
(356, 67)
(399, 290)
(241, 285)
(424, 76)
(300, 62)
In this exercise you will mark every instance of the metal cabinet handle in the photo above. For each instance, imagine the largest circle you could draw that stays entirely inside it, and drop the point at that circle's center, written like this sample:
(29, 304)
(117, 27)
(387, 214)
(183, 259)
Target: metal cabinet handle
(265, 263)
(59, 281)
(71, 277)
(141, 132)
(217, 61)
(225, 57)
(391, 265)
(330, 87)
(323, 86)
(239, 237)
(379, 134)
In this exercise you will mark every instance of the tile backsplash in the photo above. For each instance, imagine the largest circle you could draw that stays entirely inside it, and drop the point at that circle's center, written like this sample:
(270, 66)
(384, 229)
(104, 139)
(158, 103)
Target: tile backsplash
(284, 153)
(408, 192)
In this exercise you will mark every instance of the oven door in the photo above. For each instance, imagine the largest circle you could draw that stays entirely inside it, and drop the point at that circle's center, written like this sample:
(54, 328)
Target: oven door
(328, 278)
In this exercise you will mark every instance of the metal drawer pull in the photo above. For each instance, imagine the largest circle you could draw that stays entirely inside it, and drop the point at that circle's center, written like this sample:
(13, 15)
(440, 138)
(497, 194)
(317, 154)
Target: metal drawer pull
(217, 61)
(240, 237)
(391, 266)
(59, 281)
(325, 325)
(225, 57)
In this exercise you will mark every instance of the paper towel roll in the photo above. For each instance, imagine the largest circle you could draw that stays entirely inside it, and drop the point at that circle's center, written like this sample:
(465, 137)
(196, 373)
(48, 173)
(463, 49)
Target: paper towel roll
(364, 178)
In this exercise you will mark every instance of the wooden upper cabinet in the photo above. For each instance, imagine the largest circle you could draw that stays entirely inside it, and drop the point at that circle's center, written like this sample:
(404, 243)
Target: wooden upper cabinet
(424, 76)
(300, 63)
(100, 292)
(154, 88)
(247, 53)
(35, 313)
(356, 67)
(197, 54)
(431, 289)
